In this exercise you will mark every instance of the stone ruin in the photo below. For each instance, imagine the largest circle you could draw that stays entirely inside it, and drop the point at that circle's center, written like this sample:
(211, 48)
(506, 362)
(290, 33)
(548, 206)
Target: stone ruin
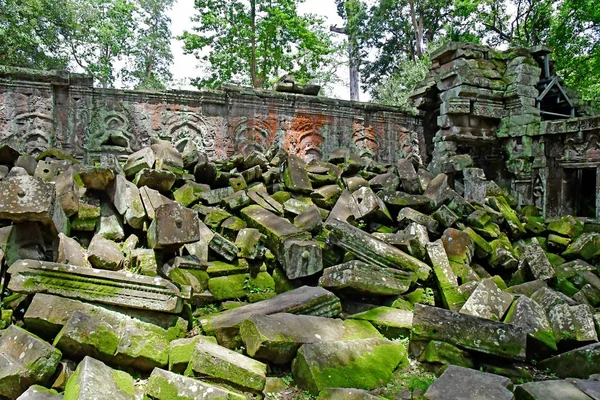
(174, 276)
(512, 115)
(171, 269)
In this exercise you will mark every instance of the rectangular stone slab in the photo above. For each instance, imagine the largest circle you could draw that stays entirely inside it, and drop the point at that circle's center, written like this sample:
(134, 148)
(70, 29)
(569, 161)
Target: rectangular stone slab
(210, 359)
(95, 380)
(305, 300)
(371, 250)
(24, 360)
(276, 229)
(47, 314)
(277, 337)
(162, 384)
(473, 333)
(108, 287)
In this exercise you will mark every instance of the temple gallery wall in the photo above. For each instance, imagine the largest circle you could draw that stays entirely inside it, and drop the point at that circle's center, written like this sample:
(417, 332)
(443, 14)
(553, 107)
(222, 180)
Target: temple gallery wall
(506, 112)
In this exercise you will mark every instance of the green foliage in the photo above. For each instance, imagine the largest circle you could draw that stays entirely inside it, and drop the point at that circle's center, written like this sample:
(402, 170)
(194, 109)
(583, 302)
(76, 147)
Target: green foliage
(30, 33)
(254, 42)
(151, 56)
(395, 89)
(101, 33)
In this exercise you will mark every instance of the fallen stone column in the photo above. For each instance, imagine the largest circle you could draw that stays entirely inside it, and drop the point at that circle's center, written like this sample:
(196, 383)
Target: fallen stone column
(108, 287)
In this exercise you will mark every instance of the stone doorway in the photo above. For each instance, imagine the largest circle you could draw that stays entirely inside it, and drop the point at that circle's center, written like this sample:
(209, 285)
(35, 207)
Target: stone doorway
(583, 185)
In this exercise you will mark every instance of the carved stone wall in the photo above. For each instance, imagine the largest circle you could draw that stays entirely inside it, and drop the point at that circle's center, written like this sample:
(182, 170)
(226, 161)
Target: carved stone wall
(511, 114)
(39, 110)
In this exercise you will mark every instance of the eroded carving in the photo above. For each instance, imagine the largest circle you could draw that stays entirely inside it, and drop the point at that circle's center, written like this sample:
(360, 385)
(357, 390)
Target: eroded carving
(364, 140)
(198, 128)
(33, 132)
(254, 133)
(303, 137)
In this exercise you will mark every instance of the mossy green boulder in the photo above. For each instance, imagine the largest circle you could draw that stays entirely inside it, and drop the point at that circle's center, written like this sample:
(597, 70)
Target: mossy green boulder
(24, 361)
(95, 380)
(165, 385)
(362, 364)
(222, 364)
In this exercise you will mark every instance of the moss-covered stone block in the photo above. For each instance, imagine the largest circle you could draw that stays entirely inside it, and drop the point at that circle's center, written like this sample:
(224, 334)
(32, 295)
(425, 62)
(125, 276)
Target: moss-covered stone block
(165, 385)
(362, 364)
(220, 363)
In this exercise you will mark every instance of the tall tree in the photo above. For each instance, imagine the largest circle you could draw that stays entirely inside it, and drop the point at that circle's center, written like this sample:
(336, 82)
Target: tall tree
(151, 56)
(254, 41)
(30, 33)
(353, 12)
(102, 34)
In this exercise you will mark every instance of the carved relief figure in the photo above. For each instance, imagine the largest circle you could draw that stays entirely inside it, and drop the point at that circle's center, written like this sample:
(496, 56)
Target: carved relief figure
(33, 132)
(364, 139)
(409, 147)
(113, 136)
(200, 129)
(303, 137)
(254, 133)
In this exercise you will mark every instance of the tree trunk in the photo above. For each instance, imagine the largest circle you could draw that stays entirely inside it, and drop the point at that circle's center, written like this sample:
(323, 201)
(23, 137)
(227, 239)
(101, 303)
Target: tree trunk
(353, 61)
(255, 82)
(418, 28)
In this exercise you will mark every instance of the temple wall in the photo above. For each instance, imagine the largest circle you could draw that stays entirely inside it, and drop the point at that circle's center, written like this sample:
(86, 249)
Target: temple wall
(39, 110)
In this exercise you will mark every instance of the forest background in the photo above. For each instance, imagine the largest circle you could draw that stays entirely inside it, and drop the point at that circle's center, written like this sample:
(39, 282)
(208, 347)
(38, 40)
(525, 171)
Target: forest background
(378, 51)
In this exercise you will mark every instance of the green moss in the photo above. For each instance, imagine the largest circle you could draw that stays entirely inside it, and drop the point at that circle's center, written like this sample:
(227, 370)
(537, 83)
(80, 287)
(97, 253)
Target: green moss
(366, 371)
(124, 382)
(56, 153)
(72, 388)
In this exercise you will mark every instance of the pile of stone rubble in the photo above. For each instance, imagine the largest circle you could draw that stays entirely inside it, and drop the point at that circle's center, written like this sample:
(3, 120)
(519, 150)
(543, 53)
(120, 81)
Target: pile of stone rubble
(171, 276)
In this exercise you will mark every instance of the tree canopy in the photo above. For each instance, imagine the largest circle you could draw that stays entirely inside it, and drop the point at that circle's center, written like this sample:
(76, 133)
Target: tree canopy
(253, 42)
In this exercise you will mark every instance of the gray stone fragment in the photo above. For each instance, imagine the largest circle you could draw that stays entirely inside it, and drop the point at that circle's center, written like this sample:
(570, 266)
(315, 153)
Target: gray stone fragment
(105, 254)
(70, 252)
(537, 261)
(162, 384)
(25, 198)
(301, 258)
(359, 277)
(346, 394)
(25, 360)
(549, 390)
(126, 199)
(94, 380)
(218, 362)
(487, 301)
(469, 332)
(531, 316)
(173, 226)
(139, 160)
(108, 287)
(303, 300)
(277, 337)
(408, 176)
(110, 225)
(467, 384)
(295, 176)
(160, 180)
(475, 185)
(37, 392)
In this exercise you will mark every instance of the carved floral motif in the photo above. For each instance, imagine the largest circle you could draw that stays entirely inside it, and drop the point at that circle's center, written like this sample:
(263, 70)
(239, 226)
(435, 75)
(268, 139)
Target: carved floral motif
(303, 137)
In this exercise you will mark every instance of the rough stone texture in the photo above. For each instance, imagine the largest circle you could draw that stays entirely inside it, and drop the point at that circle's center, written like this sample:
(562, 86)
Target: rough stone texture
(549, 390)
(25, 198)
(218, 362)
(24, 360)
(118, 122)
(165, 385)
(109, 287)
(47, 314)
(94, 380)
(360, 277)
(277, 337)
(303, 300)
(467, 384)
(37, 392)
(470, 332)
(173, 225)
(487, 301)
(105, 254)
(361, 364)
(577, 363)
